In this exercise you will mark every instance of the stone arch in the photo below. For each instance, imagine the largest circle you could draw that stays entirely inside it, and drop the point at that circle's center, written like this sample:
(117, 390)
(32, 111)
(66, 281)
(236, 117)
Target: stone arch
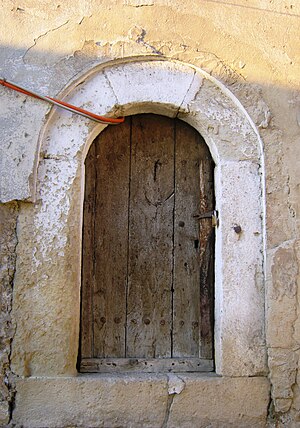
(142, 85)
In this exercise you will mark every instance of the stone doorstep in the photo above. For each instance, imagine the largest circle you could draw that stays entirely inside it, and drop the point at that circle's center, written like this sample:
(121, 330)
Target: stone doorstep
(141, 400)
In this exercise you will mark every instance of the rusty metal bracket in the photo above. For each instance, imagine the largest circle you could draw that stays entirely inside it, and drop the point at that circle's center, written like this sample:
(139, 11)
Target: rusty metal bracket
(214, 215)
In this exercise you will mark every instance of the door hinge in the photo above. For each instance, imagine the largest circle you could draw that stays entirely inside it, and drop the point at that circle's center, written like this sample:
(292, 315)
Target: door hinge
(214, 215)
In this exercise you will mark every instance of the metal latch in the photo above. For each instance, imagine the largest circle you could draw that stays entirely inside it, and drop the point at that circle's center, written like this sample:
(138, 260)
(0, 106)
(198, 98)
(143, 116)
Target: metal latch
(214, 215)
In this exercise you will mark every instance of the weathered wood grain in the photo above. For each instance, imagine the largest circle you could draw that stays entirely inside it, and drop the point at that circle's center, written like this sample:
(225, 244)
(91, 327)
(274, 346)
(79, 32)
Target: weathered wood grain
(111, 231)
(193, 194)
(207, 279)
(88, 238)
(150, 238)
(206, 255)
(154, 365)
(186, 313)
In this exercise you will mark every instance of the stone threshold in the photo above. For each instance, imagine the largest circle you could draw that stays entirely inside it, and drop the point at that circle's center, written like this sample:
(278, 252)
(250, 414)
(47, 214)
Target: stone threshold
(141, 400)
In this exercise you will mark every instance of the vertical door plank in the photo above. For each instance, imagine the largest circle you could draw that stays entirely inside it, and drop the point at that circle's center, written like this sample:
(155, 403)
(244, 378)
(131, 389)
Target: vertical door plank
(88, 237)
(186, 333)
(111, 231)
(150, 238)
(192, 161)
(207, 239)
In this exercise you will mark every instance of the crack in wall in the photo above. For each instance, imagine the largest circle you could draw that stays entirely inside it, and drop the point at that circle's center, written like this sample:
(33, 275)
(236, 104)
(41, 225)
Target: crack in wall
(283, 244)
(175, 386)
(291, 209)
(116, 108)
(168, 410)
(180, 109)
(40, 37)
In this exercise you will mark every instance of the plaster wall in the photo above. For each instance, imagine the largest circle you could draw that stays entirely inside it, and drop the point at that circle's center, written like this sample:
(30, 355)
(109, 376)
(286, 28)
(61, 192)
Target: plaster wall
(251, 47)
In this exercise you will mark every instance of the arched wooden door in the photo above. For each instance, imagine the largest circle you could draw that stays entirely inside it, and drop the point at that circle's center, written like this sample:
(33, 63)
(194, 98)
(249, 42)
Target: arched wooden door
(147, 265)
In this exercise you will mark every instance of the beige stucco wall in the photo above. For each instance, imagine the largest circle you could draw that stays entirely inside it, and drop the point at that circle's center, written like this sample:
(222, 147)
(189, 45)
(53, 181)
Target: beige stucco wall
(249, 46)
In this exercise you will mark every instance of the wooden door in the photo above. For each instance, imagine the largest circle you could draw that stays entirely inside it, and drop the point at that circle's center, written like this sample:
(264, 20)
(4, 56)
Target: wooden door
(147, 265)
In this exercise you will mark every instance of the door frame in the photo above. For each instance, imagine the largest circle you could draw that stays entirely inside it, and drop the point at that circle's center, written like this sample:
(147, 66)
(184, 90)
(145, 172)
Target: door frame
(132, 86)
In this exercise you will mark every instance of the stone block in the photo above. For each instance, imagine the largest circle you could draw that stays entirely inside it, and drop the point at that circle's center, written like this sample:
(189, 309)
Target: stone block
(283, 365)
(141, 401)
(217, 116)
(91, 401)
(241, 299)
(159, 83)
(220, 402)
(282, 302)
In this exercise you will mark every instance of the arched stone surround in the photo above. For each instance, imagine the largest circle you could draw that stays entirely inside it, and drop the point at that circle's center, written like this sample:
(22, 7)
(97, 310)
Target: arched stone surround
(46, 304)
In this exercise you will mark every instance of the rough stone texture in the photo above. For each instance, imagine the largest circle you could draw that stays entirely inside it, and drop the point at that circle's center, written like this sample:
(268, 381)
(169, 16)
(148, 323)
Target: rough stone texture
(283, 369)
(244, 403)
(242, 305)
(249, 46)
(224, 118)
(48, 270)
(141, 401)
(282, 302)
(134, 84)
(283, 331)
(8, 242)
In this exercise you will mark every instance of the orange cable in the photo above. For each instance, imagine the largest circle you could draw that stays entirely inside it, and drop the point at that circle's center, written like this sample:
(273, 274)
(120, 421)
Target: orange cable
(62, 104)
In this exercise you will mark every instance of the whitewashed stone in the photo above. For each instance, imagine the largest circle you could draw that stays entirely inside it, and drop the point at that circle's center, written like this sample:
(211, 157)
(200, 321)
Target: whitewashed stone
(144, 85)
(46, 298)
(95, 95)
(240, 339)
(222, 121)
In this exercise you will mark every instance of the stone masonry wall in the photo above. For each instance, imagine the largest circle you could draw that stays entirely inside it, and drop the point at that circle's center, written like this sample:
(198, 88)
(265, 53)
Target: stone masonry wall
(8, 242)
(251, 46)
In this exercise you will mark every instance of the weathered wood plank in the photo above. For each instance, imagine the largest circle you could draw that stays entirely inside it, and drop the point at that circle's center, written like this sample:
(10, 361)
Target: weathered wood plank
(111, 231)
(207, 279)
(157, 365)
(206, 255)
(88, 237)
(151, 238)
(186, 333)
